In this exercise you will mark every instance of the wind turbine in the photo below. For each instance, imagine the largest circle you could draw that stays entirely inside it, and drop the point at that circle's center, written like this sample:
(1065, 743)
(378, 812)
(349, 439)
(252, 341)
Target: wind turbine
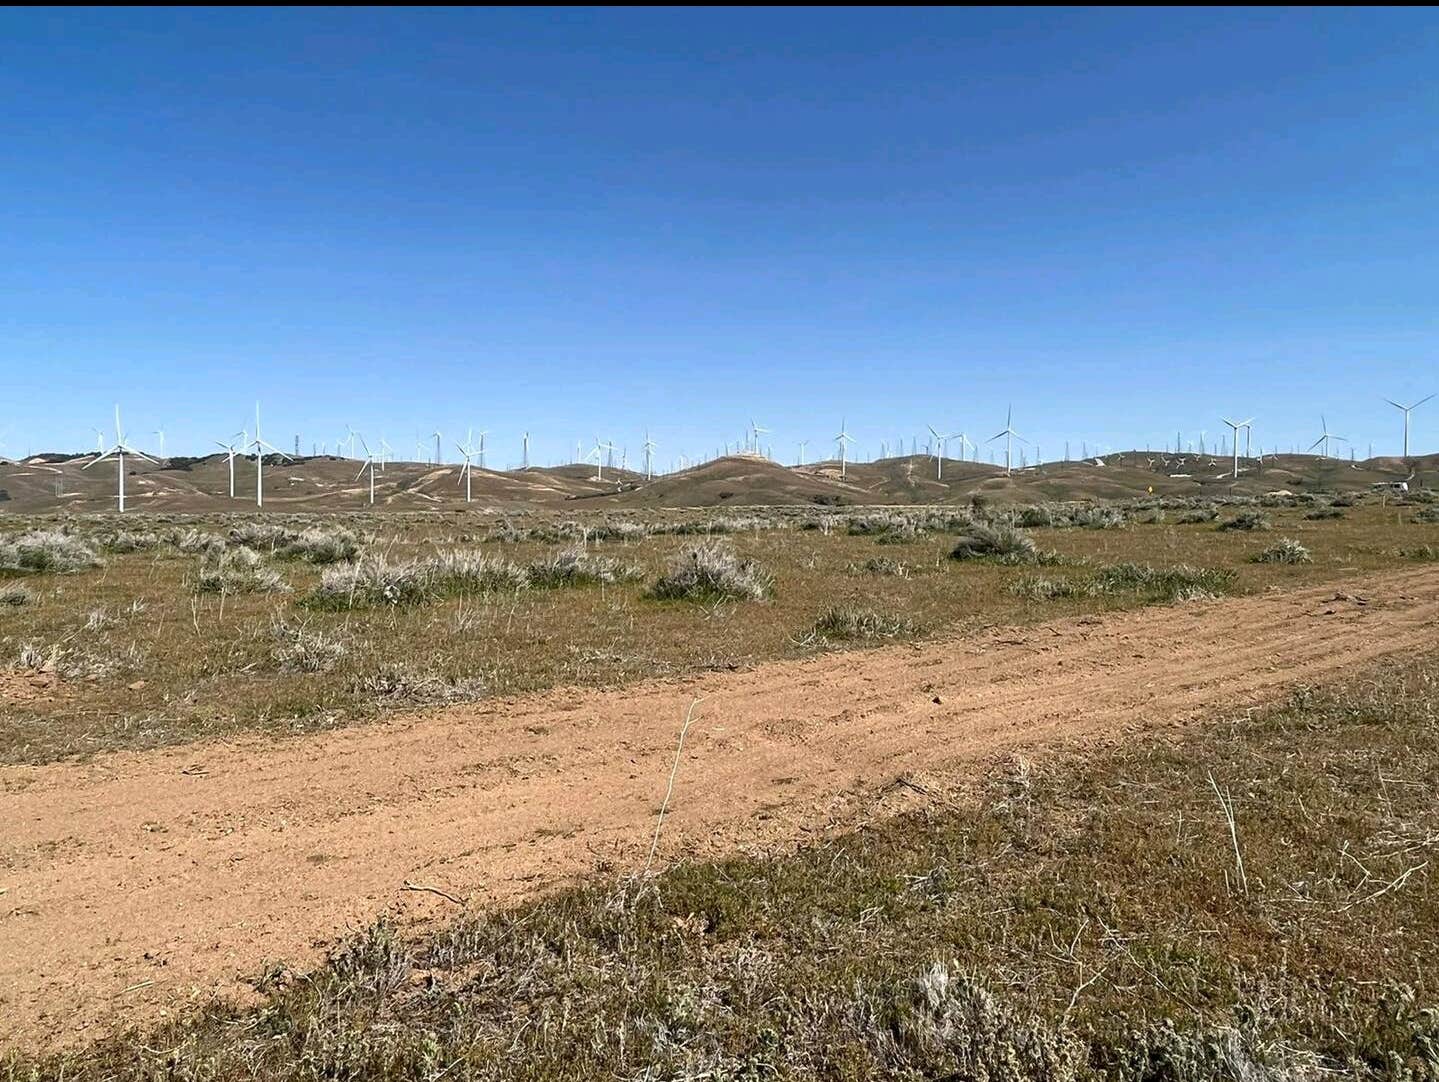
(259, 446)
(1407, 410)
(965, 441)
(468, 452)
(160, 432)
(436, 433)
(1327, 436)
(758, 431)
(802, 445)
(941, 445)
(1010, 435)
(599, 456)
(1235, 426)
(118, 453)
(385, 450)
(482, 446)
(230, 452)
(842, 439)
(525, 458)
(368, 464)
(649, 446)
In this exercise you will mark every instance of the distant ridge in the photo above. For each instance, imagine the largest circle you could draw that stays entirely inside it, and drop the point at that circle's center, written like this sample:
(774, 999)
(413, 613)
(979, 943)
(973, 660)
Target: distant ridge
(55, 482)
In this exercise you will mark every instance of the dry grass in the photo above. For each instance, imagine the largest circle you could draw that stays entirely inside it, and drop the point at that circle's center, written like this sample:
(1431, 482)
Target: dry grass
(209, 664)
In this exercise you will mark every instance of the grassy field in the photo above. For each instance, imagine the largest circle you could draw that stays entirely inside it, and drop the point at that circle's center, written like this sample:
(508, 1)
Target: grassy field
(173, 629)
(1253, 900)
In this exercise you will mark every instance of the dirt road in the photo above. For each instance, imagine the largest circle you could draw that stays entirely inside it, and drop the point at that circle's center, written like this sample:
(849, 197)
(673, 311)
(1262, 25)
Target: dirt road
(136, 882)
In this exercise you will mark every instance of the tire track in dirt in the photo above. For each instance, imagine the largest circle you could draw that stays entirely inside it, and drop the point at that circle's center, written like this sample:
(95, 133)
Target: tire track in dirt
(191, 867)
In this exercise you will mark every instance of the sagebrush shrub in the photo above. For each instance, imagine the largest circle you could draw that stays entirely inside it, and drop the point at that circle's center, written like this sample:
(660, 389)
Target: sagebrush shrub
(860, 622)
(47, 550)
(239, 571)
(1005, 543)
(577, 567)
(712, 570)
(14, 595)
(1284, 551)
(1246, 520)
(321, 546)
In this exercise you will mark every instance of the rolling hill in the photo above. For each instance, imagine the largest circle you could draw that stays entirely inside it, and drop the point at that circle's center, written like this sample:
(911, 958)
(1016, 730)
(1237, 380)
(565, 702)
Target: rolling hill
(52, 482)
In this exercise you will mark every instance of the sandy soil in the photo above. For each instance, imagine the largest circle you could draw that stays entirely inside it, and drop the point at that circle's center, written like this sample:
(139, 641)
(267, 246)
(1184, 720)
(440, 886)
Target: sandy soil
(135, 883)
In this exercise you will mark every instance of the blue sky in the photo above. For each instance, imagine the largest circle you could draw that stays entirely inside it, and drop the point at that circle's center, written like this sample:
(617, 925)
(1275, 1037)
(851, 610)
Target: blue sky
(589, 222)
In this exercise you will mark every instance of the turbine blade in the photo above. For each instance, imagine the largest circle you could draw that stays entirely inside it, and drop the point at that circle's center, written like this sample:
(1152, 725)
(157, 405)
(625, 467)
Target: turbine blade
(1423, 400)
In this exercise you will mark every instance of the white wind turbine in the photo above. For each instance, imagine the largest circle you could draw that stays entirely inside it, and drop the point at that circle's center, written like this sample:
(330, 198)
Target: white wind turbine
(1407, 410)
(468, 453)
(99, 441)
(118, 453)
(160, 433)
(649, 446)
(525, 456)
(385, 450)
(231, 450)
(598, 454)
(1326, 437)
(368, 464)
(1235, 426)
(757, 431)
(481, 452)
(259, 445)
(842, 440)
(802, 445)
(1010, 435)
(437, 434)
(941, 445)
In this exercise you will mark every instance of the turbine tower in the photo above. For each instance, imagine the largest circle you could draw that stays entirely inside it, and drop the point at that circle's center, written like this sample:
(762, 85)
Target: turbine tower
(230, 452)
(369, 464)
(1010, 435)
(118, 453)
(1407, 410)
(941, 445)
(757, 431)
(259, 446)
(1236, 426)
(598, 454)
(649, 446)
(842, 439)
(468, 452)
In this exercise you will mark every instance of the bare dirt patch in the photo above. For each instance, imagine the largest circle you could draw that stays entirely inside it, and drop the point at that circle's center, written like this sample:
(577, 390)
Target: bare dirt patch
(136, 883)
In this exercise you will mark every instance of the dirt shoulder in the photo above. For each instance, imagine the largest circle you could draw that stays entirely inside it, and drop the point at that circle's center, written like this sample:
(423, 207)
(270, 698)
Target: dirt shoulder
(137, 883)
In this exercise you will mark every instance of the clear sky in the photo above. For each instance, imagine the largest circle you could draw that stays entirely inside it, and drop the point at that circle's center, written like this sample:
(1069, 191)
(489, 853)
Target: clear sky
(588, 222)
